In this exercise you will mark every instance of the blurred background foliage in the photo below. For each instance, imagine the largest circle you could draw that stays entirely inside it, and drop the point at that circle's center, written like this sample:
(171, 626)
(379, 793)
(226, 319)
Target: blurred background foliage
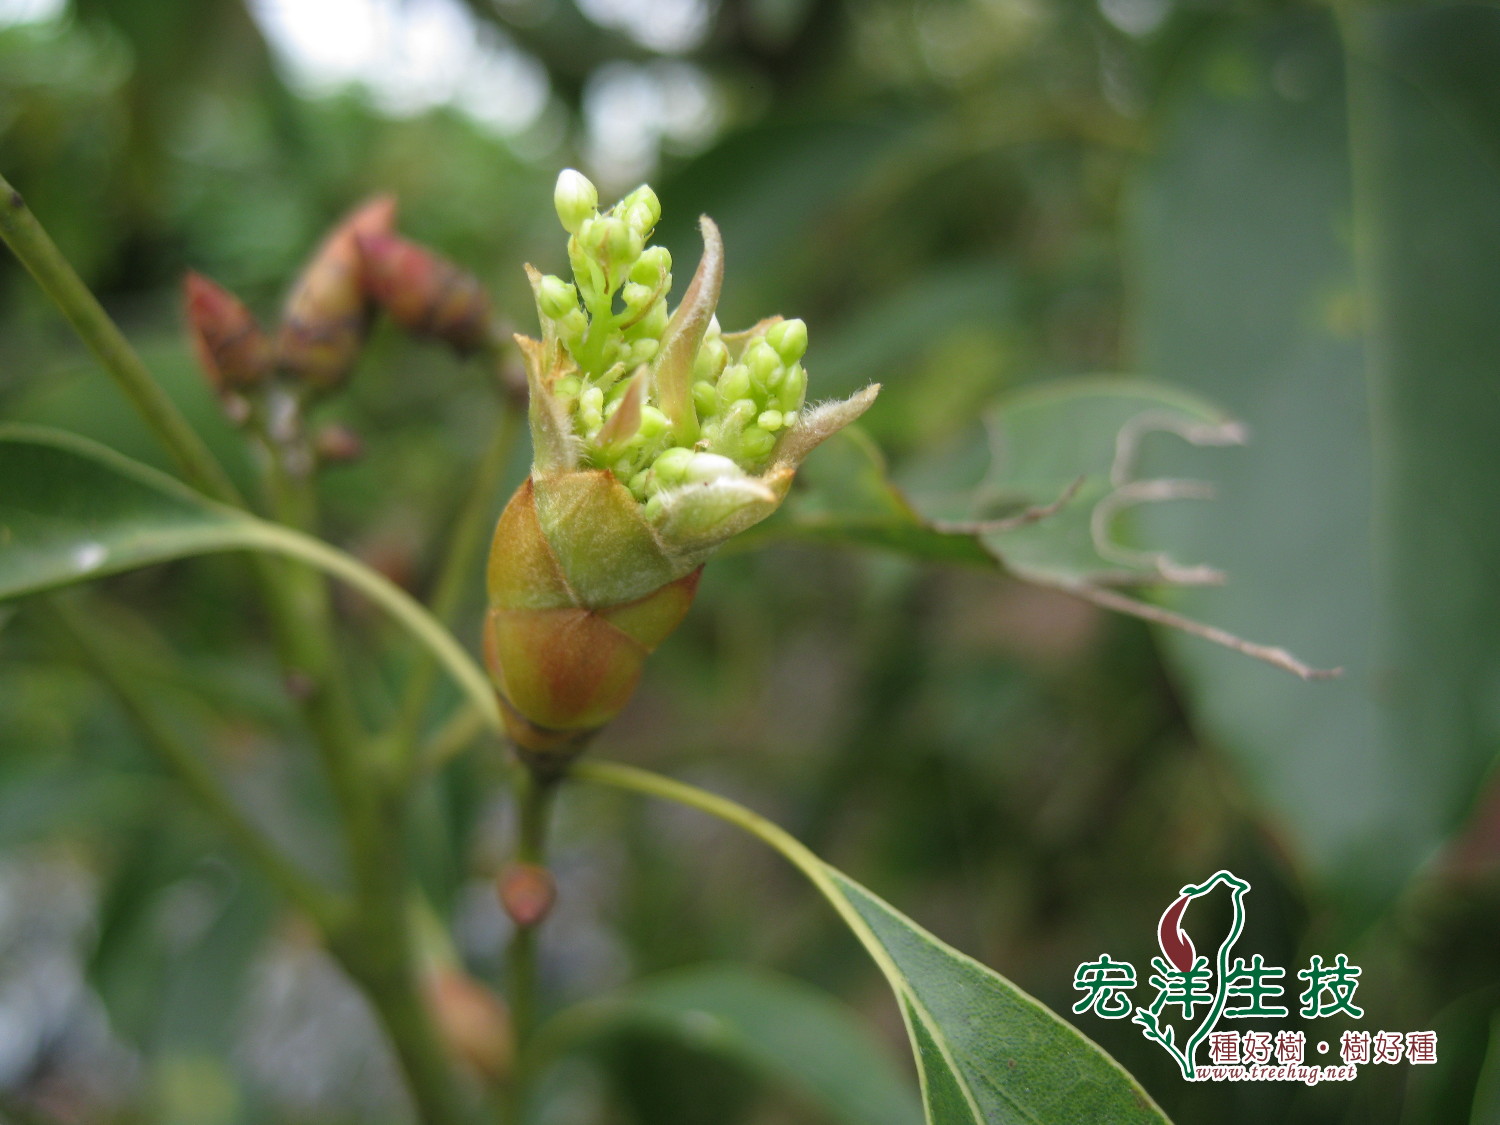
(1292, 210)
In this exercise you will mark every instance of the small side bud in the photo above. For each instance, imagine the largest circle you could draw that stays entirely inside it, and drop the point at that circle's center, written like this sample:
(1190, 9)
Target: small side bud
(575, 198)
(327, 313)
(424, 292)
(231, 348)
(337, 444)
(526, 892)
(474, 1022)
(555, 297)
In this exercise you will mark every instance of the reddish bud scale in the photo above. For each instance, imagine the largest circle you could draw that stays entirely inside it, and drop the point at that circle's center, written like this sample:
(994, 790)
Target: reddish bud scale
(526, 892)
(565, 659)
(474, 1022)
(230, 347)
(327, 314)
(424, 292)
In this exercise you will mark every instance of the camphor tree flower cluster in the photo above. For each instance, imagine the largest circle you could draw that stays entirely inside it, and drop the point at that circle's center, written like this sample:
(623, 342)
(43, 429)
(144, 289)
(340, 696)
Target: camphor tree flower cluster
(655, 438)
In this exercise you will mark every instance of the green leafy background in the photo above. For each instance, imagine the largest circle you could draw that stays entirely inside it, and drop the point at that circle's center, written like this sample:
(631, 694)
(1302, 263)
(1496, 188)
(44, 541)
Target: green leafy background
(1280, 214)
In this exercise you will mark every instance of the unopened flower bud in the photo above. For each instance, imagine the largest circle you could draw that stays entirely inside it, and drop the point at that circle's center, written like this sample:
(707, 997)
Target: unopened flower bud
(555, 297)
(474, 1023)
(575, 198)
(327, 314)
(425, 293)
(526, 892)
(641, 209)
(650, 449)
(652, 267)
(337, 444)
(762, 361)
(231, 348)
(789, 338)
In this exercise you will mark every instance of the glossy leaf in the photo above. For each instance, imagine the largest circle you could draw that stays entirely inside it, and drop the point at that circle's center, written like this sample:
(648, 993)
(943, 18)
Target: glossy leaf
(72, 511)
(987, 1053)
(1331, 280)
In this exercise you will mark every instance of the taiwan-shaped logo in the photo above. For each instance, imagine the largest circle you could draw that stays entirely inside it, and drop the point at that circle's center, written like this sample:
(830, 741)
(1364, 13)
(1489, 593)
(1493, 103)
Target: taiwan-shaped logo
(1186, 980)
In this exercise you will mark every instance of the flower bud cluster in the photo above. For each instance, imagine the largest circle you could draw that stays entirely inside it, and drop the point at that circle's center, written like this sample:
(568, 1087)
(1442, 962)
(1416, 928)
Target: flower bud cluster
(655, 438)
(362, 267)
(612, 321)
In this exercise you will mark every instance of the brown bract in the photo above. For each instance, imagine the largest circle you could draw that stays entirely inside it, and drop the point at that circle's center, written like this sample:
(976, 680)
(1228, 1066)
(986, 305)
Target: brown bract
(230, 347)
(566, 637)
(327, 313)
(424, 292)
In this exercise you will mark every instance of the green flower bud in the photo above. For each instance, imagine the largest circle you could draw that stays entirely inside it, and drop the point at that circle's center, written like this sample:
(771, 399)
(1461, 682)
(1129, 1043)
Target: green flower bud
(641, 209)
(793, 389)
(575, 198)
(702, 467)
(635, 295)
(789, 338)
(705, 398)
(653, 267)
(769, 420)
(763, 362)
(672, 466)
(756, 443)
(555, 297)
(734, 383)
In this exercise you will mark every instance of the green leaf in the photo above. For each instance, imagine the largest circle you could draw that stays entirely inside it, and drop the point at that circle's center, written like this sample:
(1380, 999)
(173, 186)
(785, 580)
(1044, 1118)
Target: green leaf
(987, 1053)
(1088, 435)
(784, 1030)
(72, 511)
(1331, 280)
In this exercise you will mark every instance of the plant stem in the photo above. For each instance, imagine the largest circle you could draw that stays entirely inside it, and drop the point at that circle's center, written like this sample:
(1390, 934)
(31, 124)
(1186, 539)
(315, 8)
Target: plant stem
(534, 794)
(459, 561)
(39, 254)
(534, 800)
(99, 654)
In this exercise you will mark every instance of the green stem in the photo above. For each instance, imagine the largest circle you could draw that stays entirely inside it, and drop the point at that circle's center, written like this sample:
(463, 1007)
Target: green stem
(39, 254)
(197, 779)
(534, 800)
(459, 561)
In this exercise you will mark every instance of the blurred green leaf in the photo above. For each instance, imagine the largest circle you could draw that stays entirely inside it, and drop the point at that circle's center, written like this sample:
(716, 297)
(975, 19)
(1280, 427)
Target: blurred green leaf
(71, 511)
(1332, 282)
(1088, 435)
(986, 1052)
(785, 1030)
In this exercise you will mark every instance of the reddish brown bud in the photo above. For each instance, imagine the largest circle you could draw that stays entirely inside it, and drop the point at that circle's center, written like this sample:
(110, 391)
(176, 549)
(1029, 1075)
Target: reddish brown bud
(473, 1021)
(230, 346)
(573, 617)
(527, 892)
(336, 444)
(424, 292)
(327, 314)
